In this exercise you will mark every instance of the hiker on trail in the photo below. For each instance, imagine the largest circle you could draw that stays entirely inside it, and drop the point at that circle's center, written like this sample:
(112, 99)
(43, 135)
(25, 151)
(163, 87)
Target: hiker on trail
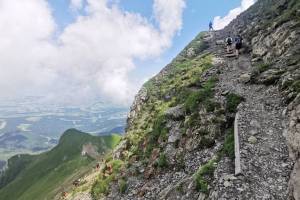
(228, 42)
(211, 28)
(238, 44)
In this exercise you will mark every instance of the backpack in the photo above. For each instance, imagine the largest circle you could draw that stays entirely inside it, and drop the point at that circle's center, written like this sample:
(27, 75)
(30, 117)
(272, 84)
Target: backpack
(238, 40)
(229, 40)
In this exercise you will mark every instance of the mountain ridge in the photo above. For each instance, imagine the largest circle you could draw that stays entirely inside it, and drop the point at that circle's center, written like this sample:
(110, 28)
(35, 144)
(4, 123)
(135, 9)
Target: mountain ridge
(37, 176)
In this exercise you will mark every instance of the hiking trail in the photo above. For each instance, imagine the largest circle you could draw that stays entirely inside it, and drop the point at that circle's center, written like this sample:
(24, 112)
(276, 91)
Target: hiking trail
(265, 162)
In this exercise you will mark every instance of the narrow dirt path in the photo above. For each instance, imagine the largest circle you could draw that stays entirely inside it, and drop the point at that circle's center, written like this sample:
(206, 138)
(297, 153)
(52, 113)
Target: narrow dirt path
(264, 153)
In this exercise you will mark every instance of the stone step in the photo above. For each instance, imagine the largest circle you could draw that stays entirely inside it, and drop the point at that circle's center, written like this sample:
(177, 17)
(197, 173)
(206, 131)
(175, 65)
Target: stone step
(237, 161)
(230, 55)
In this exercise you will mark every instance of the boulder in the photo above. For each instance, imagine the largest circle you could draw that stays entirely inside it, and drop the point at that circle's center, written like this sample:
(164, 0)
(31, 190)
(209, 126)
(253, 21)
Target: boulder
(220, 42)
(270, 76)
(252, 140)
(190, 53)
(227, 184)
(175, 113)
(244, 78)
(174, 131)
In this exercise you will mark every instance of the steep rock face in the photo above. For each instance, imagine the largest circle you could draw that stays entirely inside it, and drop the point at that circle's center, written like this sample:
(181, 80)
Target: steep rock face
(139, 100)
(271, 30)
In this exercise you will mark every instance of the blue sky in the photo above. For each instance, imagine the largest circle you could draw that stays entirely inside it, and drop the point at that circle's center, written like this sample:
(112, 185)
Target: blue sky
(196, 16)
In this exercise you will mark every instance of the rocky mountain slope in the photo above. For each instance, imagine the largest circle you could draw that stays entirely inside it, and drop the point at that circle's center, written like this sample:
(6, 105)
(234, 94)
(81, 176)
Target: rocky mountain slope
(181, 136)
(179, 141)
(43, 176)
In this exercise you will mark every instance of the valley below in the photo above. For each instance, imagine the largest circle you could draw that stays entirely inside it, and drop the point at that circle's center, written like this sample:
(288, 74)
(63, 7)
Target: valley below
(27, 126)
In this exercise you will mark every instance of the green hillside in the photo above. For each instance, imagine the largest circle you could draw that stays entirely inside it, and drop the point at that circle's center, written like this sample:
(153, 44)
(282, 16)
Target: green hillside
(41, 176)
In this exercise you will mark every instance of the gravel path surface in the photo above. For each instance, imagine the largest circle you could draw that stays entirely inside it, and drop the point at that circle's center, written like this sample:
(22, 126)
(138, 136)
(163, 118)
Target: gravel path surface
(264, 153)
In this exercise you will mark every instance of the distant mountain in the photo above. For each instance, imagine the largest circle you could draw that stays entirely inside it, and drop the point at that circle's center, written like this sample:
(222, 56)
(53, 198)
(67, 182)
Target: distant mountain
(41, 176)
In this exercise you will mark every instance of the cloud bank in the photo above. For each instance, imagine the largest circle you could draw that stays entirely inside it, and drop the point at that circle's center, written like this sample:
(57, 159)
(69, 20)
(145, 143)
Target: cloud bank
(91, 58)
(220, 22)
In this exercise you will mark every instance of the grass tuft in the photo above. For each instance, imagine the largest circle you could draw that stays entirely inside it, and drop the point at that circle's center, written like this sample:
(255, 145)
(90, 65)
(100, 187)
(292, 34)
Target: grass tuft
(263, 67)
(233, 100)
(162, 161)
(122, 186)
(107, 175)
(203, 95)
(206, 170)
(228, 147)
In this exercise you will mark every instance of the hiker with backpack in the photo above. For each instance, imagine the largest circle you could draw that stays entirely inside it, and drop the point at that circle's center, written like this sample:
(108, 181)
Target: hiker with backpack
(211, 28)
(238, 44)
(228, 42)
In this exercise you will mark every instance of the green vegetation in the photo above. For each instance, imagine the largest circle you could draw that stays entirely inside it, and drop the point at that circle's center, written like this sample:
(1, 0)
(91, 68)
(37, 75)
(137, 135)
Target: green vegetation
(292, 13)
(163, 92)
(204, 96)
(206, 141)
(192, 102)
(180, 188)
(228, 148)
(162, 161)
(233, 100)
(208, 168)
(203, 174)
(198, 45)
(107, 176)
(263, 67)
(179, 83)
(191, 121)
(159, 129)
(180, 163)
(296, 86)
(201, 185)
(15, 165)
(159, 132)
(275, 15)
(48, 172)
(122, 186)
(99, 187)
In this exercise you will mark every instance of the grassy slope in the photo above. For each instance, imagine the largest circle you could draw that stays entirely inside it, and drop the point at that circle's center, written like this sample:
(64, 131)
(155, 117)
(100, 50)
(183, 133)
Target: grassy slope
(48, 171)
(181, 74)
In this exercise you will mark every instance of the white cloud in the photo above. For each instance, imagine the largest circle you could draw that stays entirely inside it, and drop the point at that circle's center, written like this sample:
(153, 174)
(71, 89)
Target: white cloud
(221, 22)
(91, 58)
(76, 4)
(168, 14)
